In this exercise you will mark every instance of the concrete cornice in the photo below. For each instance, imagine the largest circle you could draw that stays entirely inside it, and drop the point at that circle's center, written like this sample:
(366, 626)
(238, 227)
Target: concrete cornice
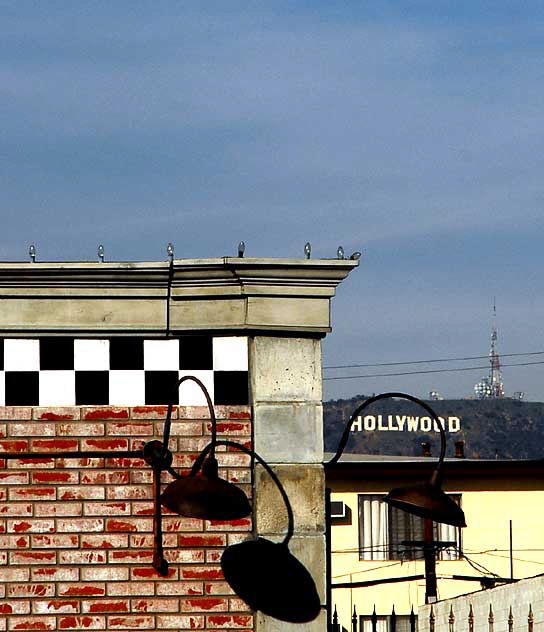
(227, 293)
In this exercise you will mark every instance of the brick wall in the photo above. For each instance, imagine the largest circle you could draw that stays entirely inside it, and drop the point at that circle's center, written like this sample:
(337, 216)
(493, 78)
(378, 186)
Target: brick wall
(76, 534)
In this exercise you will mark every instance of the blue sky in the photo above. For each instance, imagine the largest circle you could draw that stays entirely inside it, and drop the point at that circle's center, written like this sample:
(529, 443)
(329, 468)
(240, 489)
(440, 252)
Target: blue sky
(410, 131)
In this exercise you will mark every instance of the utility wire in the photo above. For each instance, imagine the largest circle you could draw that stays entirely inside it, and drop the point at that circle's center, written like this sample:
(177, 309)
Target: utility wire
(468, 368)
(483, 357)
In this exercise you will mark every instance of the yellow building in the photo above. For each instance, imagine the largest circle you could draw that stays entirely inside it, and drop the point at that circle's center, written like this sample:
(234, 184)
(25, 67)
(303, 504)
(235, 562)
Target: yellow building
(502, 500)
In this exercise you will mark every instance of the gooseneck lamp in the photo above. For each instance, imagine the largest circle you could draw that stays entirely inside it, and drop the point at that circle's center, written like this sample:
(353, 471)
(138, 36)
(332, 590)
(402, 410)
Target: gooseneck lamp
(426, 500)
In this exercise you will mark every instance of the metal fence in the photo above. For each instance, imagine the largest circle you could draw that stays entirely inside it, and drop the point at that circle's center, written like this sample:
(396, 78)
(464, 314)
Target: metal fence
(376, 622)
(468, 624)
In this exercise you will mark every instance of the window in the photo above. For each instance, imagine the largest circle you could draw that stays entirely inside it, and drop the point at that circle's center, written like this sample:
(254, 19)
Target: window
(384, 529)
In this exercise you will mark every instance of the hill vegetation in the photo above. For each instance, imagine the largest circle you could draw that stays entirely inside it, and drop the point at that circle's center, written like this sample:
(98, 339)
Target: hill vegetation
(501, 428)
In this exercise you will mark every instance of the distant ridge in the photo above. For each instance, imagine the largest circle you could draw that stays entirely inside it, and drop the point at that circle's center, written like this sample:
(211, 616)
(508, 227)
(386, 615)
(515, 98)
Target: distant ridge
(496, 428)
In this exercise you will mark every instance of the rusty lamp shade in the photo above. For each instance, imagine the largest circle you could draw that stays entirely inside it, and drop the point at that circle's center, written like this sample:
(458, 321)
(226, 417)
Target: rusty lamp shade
(269, 578)
(427, 500)
(206, 496)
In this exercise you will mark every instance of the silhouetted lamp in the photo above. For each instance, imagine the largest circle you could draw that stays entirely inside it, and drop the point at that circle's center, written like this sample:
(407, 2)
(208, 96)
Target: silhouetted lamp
(205, 496)
(426, 500)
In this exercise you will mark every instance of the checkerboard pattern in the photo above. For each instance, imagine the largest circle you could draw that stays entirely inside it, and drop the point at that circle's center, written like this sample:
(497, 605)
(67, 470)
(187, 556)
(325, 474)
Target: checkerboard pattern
(59, 371)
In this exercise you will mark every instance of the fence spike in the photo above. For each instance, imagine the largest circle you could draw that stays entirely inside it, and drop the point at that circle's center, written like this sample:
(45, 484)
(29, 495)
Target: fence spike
(412, 621)
(431, 620)
(451, 619)
(470, 619)
(530, 619)
(490, 618)
(510, 620)
(393, 621)
(374, 620)
(354, 619)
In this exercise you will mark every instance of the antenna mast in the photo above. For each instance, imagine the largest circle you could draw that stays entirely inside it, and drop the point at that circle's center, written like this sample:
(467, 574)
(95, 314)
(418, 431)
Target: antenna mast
(491, 386)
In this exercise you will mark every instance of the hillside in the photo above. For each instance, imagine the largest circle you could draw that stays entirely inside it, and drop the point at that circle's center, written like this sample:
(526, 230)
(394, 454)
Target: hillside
(506, 429)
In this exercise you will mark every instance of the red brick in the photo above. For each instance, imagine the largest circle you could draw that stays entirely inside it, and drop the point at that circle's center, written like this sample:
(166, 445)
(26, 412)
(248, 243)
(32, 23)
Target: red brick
(232, 428)
(217, 588)
(202, 540)
(213, 556)
(107, 509)
(130, 557)
(241, 413)
(55, 574)
(145, 477)
(16, 509)
(239, 476)
(81, 590)
(105, 413)
(80, 430)
(13, 446)
(14, 542)
(63, 413)
(201, 572)
(187, 429)
(14, 478)
(105, 477)
(204, 604)
(55, 541)
(135, 622)
(148, 572)
(129, 524)
(54, 445)
(83, 622)
(128, 589)
(176, 523)
(195, 412)
(243, 524)
(180, 588)
(82, 557)
(109, 541)
(58, 509)
(104, 444)
(31, 590)
(32, 493)
(80, 464)
(31, 526)
(15, 412)
(31, 430)
(185, 556)
(129, 492)
(80, 492)
(33, 623)
(104, 606)
(238, 605)
(179, 622)
(145, 541)
(130, 429)
(152, 412)
(52, 606)
(56, 476)
(105, 573)
(155, 605)
(233, 459)
(229, 621)
(80, 525)
(18, 464)
(14, 607)
(32, 557)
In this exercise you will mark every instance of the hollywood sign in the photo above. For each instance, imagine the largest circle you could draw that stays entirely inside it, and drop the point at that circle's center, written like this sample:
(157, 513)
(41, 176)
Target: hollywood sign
(404, 423)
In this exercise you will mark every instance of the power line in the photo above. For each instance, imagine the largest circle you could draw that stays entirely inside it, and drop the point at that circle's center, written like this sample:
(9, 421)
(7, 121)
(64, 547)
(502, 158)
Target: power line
(462, 359)
(467, 368)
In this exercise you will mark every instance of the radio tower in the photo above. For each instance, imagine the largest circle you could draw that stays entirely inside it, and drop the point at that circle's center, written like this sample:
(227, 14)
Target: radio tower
(492, 387)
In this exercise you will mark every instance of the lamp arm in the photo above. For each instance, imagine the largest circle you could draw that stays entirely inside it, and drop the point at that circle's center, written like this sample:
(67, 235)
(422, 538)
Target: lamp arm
(345, 435)
(234, 444)
(168, 421)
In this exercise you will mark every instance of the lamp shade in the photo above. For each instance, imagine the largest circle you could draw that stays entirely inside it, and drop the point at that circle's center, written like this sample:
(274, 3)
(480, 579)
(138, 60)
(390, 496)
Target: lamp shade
(206, 496)
(427, 501)
(269, 578)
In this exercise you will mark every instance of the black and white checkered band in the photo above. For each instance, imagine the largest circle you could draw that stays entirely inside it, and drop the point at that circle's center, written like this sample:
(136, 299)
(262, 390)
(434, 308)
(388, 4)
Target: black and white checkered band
(124, 371)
